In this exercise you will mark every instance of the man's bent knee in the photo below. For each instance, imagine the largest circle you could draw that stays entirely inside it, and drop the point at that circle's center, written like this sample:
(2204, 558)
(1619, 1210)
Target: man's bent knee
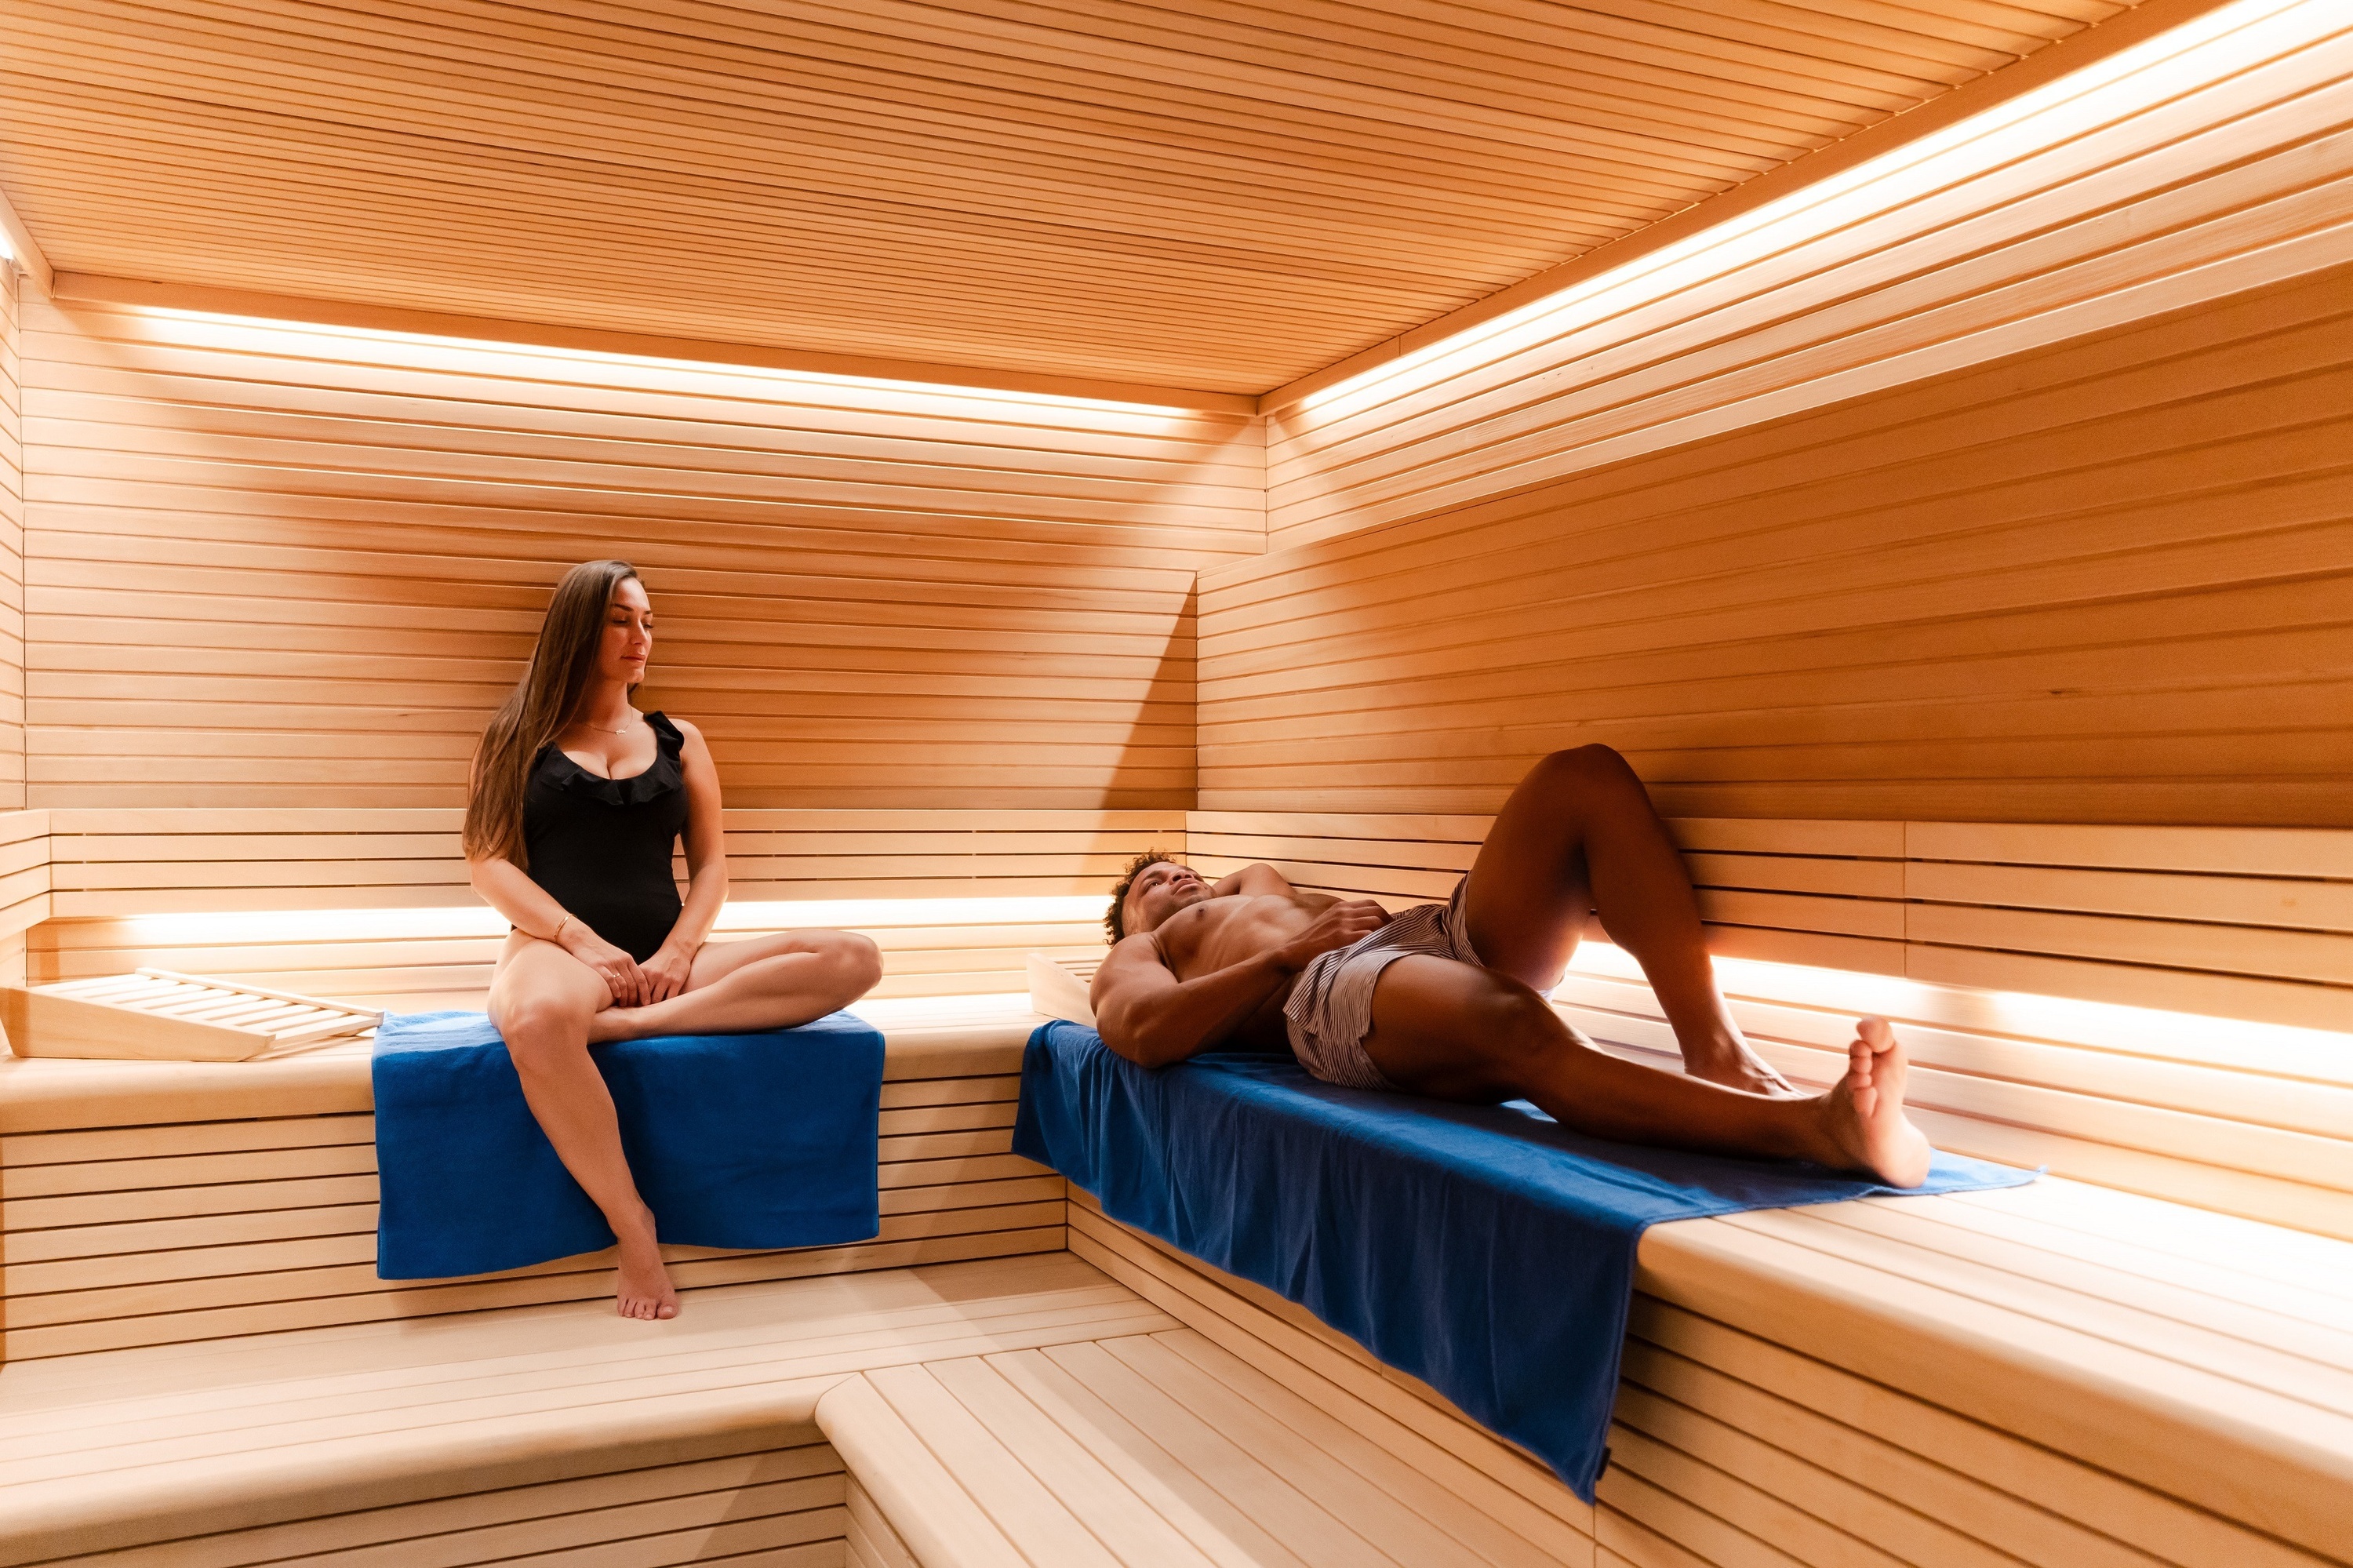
(1596, 763)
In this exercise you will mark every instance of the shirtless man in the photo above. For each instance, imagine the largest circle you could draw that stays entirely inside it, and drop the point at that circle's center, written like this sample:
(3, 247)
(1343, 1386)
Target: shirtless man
(1446, 999)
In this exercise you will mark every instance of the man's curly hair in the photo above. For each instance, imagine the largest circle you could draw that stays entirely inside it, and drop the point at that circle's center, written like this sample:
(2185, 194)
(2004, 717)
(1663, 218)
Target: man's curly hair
(1115, 917)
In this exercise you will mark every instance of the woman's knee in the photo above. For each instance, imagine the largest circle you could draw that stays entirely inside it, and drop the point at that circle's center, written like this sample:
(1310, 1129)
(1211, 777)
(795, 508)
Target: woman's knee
(541, 1030)
(854, 960)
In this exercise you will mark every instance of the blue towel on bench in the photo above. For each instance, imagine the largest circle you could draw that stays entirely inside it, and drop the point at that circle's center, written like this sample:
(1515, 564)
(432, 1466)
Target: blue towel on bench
(1485, 1249)
(736, 1140)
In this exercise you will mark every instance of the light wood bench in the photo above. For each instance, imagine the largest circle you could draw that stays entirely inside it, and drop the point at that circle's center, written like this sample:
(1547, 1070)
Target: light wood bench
(146, 1204)
(519, 1431)
(1962, 1380)
(2060, 1375)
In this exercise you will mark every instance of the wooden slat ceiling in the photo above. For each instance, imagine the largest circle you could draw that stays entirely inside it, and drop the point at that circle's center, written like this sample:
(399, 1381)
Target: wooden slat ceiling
(1211, 194)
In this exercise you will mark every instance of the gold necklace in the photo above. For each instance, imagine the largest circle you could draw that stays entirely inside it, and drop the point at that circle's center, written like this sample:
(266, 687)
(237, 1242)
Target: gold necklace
(624, 729)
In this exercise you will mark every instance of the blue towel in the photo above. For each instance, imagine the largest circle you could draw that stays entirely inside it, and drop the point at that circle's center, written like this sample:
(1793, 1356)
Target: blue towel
(1485, 1249)
(736, 1140)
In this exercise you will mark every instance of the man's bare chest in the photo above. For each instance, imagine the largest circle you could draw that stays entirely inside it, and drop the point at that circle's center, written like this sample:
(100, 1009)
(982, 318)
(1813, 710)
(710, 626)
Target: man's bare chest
(1222, 932)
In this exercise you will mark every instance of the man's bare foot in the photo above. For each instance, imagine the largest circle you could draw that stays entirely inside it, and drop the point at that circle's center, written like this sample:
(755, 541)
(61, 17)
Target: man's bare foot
(1863, 1113)
(641, 1286)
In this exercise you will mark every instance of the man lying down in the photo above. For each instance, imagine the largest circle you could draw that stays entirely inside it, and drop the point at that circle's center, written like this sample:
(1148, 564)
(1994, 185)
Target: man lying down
(1446, 999)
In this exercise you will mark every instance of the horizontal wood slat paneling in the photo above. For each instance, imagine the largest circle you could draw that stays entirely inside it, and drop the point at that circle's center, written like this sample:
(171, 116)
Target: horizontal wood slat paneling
(1227, 197)
(12, 548)
(286, 566)
(752, 1495)
(1744, 1434)
(2103, 582)
(2167, 919)
(221, 891)
(162, 1233)
(2147, 199)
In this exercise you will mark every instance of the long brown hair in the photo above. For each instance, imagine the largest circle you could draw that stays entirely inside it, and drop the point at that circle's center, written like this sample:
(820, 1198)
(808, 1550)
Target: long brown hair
(538, 709)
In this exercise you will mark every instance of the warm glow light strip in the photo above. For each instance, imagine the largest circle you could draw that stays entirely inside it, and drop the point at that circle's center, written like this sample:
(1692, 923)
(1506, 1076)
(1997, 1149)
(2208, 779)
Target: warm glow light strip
(269, 334)
(234, 927)
(2278, 1048)
(2207, 49)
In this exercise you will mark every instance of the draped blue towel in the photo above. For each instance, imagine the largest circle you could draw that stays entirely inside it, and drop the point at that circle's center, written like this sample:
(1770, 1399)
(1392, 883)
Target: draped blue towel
(1485, 1249)
(736, 1140)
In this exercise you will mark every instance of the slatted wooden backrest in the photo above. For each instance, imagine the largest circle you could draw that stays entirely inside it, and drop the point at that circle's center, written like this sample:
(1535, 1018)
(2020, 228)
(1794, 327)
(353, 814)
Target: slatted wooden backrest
(350, 902)
(2167, 1009)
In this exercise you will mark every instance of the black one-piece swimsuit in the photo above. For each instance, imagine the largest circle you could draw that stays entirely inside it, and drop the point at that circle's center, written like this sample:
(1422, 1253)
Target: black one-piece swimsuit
(601, 846)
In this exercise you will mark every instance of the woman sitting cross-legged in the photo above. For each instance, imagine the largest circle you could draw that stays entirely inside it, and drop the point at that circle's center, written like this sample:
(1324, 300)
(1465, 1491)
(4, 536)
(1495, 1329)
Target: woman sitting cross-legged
(576, 803)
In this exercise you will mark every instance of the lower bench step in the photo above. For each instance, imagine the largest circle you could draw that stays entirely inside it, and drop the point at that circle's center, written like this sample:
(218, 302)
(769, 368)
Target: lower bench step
(1158, 1448)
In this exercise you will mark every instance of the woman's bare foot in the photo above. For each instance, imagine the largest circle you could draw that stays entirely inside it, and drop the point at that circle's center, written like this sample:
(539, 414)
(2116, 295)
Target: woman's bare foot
(641, 1286)
(1863, 1113)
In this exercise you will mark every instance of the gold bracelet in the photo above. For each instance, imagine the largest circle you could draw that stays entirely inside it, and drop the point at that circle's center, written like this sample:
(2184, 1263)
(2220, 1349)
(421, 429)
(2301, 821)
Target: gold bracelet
(557, 935)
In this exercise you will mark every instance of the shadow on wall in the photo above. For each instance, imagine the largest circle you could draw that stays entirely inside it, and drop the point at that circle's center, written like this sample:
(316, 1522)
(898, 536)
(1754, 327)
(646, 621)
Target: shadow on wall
(1156, 766)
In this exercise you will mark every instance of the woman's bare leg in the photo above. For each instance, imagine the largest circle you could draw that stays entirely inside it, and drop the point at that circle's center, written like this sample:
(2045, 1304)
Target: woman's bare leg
(1579, 836)
(766, 982)
(543, 1001)
(1457, 1031)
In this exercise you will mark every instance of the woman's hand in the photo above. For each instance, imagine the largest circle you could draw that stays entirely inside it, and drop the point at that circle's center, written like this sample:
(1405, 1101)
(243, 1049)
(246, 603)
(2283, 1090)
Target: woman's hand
(666, 972)
(619, 971)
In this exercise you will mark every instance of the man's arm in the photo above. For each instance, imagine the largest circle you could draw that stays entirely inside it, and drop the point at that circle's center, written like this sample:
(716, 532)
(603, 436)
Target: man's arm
(1148, 1016)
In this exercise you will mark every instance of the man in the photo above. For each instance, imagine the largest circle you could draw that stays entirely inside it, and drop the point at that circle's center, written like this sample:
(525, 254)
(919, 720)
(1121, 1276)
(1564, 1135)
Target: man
(1446, 999)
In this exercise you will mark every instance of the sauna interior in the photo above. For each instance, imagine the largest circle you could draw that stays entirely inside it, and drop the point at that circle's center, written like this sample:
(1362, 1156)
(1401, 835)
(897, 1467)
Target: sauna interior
(1918, 435)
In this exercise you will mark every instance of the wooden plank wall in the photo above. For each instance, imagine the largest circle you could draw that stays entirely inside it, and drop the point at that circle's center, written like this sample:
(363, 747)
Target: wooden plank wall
(2141, 198)
(2253, 924)
(226, 891)
(2107, 581)
(24, 887)
(11, 544)
(272, 565)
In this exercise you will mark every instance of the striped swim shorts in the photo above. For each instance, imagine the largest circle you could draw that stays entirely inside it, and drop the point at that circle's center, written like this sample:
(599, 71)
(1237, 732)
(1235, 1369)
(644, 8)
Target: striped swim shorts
(1331, 1006)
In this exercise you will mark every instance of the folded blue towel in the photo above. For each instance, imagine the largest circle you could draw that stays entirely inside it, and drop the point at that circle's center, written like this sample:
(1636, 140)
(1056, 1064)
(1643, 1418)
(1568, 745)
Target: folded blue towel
(1485, 1249)
(736, 1140)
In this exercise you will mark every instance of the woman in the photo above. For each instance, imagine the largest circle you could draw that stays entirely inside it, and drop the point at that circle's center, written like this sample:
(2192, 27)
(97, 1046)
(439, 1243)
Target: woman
(575, 801)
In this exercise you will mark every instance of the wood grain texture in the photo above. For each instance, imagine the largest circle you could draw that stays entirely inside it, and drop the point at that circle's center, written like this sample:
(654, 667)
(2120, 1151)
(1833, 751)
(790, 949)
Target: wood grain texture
(227, 1220)
(1226, 197)
(2105, 581)
(12, 540)
(279, 566)
(358, 903)
(2141, 198)
(1866, 1413)
(166, 1446)
(676, 1506)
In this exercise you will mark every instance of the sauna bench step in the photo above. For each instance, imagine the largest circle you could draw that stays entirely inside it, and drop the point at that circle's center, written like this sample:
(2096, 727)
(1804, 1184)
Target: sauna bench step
(2064, 1377)
(158, 1447)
